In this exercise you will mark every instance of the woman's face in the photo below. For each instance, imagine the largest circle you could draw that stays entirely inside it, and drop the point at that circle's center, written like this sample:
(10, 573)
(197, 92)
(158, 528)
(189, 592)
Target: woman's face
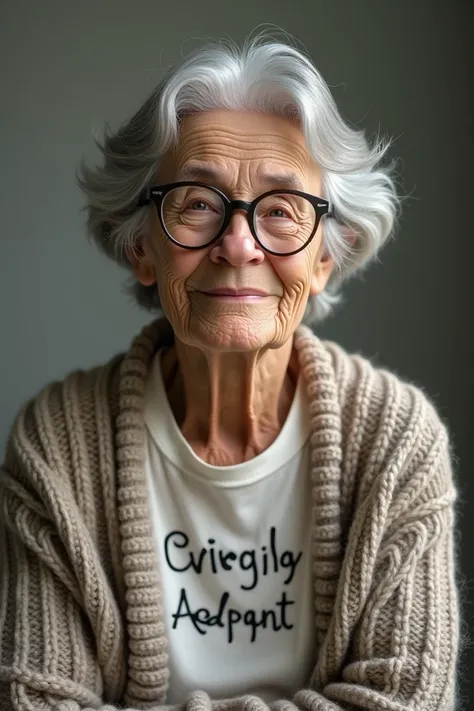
(240, 153)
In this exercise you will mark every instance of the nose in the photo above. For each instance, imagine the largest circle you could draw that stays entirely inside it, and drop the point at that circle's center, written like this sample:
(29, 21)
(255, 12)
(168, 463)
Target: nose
(237, 245)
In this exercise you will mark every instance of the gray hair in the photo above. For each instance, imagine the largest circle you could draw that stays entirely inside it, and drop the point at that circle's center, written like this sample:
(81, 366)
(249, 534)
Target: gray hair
(262, 75)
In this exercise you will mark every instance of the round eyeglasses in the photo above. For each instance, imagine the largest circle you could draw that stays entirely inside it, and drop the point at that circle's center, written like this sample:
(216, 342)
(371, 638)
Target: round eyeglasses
(194, 215)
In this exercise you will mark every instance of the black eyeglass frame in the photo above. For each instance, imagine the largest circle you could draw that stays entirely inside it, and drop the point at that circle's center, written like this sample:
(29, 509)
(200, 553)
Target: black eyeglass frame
(157, 194)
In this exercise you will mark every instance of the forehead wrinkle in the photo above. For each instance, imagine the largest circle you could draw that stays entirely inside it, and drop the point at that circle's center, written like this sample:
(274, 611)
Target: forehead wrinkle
(216, 156)
(218, 128)
(214, 146)
(204, 138)
(293, 175)
(219, 160)
(239, 154)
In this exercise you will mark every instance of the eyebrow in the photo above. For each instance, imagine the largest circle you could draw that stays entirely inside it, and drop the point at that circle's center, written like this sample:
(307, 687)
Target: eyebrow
(203, 173)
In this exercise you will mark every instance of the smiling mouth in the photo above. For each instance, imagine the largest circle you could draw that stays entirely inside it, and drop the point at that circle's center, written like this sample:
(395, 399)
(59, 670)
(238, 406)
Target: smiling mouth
(234, 296)
(236, 293)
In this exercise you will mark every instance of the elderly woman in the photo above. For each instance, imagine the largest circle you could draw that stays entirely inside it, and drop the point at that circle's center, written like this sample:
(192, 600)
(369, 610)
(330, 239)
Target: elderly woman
(233, 514)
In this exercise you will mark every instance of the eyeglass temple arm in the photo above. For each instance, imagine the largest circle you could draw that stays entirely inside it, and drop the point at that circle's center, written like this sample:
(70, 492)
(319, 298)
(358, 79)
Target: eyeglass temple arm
(144, 197)
(331, 212)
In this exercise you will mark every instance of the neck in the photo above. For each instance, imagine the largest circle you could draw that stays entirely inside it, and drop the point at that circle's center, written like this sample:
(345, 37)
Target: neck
(229, 406)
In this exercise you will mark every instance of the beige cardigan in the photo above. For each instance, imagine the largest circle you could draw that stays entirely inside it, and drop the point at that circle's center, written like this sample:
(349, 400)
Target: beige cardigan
(81, 623)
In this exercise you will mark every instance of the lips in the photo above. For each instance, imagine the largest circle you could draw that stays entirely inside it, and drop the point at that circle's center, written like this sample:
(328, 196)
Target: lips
(236, 292)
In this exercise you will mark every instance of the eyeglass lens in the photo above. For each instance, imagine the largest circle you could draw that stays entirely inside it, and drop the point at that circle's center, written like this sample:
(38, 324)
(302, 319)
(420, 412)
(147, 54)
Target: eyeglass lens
(193, 216)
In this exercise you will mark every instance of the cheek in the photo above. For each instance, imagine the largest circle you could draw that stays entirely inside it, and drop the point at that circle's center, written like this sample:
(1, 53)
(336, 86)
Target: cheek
(295, 274)
(174, 266)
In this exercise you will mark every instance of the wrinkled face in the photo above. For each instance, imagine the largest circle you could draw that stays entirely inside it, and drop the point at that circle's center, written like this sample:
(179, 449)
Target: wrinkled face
(240, 153)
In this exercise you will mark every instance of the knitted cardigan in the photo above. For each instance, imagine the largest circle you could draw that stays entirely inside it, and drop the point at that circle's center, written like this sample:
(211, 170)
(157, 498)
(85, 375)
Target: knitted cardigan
(81, 621)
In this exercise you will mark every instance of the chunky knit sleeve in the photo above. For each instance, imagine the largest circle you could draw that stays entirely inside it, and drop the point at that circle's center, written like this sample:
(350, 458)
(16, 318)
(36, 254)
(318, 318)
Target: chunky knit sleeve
(392, 640)
(398, 628)
(61, 632)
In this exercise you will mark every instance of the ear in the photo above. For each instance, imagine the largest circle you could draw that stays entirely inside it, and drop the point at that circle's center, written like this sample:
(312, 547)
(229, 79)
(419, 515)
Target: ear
(320, 277)
(142, 264)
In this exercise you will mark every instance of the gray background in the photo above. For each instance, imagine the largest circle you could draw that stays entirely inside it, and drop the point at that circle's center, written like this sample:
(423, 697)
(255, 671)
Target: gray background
(402, 66)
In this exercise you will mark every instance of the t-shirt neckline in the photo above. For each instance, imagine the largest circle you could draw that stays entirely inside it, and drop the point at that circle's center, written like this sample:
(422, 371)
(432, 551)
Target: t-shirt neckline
(166, 435)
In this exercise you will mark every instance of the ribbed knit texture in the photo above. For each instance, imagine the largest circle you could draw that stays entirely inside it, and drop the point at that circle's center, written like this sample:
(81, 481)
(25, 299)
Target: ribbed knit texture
(81, 622)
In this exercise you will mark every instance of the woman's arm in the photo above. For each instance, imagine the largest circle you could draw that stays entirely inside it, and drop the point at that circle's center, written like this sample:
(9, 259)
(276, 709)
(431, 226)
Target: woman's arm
(403, 648)
(47, 647)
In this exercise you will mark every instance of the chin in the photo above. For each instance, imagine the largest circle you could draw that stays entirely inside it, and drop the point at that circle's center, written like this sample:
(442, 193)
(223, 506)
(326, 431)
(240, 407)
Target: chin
(233, 333)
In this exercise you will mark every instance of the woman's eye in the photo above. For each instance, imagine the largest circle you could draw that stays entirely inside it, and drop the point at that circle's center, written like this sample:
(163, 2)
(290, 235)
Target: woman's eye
(279, 212)
(198, 205)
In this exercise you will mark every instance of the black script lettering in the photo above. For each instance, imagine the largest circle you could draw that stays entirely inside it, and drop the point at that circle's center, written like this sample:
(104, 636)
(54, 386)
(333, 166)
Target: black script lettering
(250, 619)
(250, 565)
(181, 540)
(270, 613)
(201, 616)
(273, 548)
(212, 556)
(178, 536)
(229, 617)
(217, 619)
(224, 557)
(233, 616)
(258, 561)
(289, 561)
(284, 603)
(183, 602)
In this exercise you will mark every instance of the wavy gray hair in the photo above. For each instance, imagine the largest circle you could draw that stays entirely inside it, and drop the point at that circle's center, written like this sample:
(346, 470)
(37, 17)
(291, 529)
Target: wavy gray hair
(263, 75)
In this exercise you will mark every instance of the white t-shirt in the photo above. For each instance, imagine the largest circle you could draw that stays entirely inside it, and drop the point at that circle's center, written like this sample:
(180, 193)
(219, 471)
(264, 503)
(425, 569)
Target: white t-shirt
(233, 545)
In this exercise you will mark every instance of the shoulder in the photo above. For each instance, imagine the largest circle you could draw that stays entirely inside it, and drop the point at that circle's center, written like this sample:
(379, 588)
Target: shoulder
(390, 428)
(59, 428)
(376, 394)
(58, 479)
